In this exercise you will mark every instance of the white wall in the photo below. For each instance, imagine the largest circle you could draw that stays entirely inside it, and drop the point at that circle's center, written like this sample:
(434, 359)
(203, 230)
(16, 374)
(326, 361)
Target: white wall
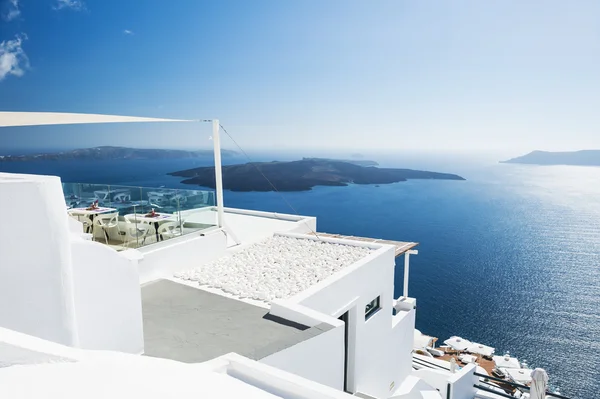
(163, 259)
(461, 383)
(374, 365)
(36, 280)
(320, 359)
(273, 380)
(436, 378)
(107, 298)
(402, 337)
(251, 226)
(54, 284)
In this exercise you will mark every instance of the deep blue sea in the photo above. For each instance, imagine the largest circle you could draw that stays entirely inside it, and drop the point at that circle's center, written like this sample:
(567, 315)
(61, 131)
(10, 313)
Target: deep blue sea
(510, 257)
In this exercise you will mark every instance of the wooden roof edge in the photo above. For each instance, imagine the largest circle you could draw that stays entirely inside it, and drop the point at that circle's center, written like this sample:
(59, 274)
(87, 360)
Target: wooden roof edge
(401, 246)
(404, 249)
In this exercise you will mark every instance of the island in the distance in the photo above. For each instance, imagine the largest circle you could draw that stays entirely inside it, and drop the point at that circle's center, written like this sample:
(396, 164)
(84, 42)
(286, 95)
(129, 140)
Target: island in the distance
(576, 158)
(302, 175)
(110, 153)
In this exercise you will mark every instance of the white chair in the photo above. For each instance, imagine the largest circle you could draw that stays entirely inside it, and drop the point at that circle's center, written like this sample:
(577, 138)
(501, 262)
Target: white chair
(83, 219)
(106, 222)
(169, 230)
(138, 232)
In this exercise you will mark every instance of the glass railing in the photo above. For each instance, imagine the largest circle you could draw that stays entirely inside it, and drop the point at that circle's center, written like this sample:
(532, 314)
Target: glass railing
(132, 217)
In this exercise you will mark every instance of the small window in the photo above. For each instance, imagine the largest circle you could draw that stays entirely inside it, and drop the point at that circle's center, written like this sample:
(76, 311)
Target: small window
(372, 308)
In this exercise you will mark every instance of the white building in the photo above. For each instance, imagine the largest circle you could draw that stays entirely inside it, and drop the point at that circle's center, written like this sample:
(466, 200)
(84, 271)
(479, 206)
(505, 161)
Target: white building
(254, 305)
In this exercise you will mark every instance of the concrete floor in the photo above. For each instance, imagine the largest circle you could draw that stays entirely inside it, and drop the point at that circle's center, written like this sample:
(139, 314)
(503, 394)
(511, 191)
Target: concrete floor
(191, 325)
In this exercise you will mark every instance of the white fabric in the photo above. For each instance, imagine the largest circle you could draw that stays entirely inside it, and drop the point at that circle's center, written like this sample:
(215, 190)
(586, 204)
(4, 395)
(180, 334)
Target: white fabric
(467, 358)
(480, 349)
(539, 384)
(53, 118)
(458, 343)
(506, 362)
(522, 376)
(421, 340)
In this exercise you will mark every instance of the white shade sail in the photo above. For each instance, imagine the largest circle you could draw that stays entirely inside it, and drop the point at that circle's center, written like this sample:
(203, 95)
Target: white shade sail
(522, 376)
(506, 361)
(458, 343)
(480, 349)
(53, 118)
(421, 341)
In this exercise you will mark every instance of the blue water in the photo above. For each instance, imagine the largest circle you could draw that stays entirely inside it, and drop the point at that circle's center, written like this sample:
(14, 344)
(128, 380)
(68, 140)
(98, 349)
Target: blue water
(509, 258)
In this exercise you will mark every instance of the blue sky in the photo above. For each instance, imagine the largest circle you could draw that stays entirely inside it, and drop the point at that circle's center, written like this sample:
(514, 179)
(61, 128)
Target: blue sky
(449, 75)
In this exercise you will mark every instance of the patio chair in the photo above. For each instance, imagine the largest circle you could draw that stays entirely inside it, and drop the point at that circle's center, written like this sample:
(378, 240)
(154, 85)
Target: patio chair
(138, 232)
(106, 222)
(169, 230)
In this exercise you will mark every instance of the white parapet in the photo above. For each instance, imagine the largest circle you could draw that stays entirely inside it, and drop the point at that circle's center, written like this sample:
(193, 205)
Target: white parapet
(36, 278)
(55, 284)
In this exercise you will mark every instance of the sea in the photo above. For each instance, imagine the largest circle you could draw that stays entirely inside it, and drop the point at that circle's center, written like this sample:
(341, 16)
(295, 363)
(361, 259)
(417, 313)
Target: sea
(510, 257)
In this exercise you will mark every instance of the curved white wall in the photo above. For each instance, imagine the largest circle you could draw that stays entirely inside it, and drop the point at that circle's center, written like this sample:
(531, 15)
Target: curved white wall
(36, 285)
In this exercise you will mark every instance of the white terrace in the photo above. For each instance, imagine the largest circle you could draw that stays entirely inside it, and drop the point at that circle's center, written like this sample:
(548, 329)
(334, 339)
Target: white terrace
(273, 307)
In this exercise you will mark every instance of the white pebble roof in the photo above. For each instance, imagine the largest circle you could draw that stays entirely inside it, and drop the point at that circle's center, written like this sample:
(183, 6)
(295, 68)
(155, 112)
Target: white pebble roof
(278, 267)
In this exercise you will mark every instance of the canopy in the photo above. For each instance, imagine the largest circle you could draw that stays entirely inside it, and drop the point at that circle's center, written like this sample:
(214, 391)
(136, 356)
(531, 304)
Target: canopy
(458, 343)
(54, 118)
(421, 340)
(506, 361)
(522, 376)
(480, 349)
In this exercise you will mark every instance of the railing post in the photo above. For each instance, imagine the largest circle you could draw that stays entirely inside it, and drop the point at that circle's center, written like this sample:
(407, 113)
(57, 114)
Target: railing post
(406, 270)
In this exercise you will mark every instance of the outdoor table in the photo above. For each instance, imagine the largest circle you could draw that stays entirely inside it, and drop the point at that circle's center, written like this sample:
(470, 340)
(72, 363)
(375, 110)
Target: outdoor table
(90, 214)
(155, 220)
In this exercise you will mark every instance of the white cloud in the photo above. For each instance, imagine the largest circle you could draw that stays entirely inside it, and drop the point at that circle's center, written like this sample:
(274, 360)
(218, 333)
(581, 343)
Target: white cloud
(13, 60)
(72, 4)
(13, 10)
(128, 32)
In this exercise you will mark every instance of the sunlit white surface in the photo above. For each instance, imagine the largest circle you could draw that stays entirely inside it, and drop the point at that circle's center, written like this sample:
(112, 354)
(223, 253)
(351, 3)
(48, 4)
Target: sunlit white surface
(480, 349)
(506, 362)
(277, 267)
(421, 340)
(116, 379)
(522, 376)
(458, 343)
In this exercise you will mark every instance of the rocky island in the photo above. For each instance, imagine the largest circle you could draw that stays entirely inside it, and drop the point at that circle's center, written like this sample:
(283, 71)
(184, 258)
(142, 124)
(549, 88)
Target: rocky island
(302, 175)
(110, 153)
(576, 158)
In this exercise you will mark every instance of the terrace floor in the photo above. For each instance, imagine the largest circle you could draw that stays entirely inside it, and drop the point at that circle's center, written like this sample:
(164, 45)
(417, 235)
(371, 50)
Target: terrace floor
(192, 325)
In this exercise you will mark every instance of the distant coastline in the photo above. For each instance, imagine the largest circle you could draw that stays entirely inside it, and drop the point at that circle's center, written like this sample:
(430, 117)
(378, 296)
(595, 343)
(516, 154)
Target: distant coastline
(575, 158)
(111, 153)
(303, 175)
